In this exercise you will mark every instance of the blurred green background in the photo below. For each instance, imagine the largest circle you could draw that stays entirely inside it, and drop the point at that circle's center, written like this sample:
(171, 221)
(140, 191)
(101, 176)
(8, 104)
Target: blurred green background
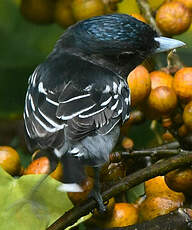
(23, 46)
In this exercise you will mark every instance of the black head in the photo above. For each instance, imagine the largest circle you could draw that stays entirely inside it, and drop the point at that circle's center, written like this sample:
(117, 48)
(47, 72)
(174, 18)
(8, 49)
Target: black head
(112, 35)
(118, 41)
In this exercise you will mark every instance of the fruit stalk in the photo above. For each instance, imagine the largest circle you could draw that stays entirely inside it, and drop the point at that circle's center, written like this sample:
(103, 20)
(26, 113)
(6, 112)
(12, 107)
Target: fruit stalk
(146, 12)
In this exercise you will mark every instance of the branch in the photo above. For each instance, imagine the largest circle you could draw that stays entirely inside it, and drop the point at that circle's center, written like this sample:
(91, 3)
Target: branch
(159, 168)
(146, 12)
(179, 219)
(152, 153)
(165, 150)
(170, 145)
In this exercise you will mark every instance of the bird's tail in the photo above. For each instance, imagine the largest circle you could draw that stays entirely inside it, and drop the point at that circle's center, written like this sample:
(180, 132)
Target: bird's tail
(73, 174)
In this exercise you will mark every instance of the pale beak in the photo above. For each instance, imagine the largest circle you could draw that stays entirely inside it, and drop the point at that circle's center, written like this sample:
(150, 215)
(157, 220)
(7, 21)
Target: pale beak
(167, 44)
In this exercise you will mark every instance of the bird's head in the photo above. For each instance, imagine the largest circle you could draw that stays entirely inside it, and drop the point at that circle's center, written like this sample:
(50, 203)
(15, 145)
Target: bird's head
(116, 37)
(115, 34)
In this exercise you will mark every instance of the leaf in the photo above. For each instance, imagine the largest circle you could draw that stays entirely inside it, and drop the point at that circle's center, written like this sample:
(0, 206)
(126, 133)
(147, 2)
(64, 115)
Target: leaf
(26, 206)
(135, 192)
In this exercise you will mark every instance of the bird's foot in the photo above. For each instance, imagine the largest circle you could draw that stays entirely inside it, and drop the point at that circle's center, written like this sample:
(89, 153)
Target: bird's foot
(96, 195)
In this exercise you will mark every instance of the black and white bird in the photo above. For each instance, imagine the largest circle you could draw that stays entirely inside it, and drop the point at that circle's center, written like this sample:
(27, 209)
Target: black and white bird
(78, 97)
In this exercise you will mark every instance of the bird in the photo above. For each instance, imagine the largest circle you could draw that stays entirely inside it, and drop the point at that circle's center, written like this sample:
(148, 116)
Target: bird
(78, 98)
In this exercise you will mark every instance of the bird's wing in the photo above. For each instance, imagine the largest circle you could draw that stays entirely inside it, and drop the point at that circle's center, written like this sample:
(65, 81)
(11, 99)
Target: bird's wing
(43, 128)
(87, 99)
(95, 110)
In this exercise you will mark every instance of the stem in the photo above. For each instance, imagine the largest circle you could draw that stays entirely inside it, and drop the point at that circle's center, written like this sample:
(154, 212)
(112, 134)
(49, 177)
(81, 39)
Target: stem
(165, 150)
(146, 12)
(153, 127)
(152, 153)
(173, 62)
(159, 168)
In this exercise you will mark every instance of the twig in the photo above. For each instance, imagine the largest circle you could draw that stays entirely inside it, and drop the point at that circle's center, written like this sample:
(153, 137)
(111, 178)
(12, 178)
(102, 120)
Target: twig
(146, 12)
(152, 153)
(171, 145)
(159, 168)
(165, 150)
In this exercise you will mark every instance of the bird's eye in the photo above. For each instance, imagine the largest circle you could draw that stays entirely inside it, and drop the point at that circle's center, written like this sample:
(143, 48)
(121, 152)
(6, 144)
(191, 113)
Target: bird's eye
(125, 56)
(127, 53)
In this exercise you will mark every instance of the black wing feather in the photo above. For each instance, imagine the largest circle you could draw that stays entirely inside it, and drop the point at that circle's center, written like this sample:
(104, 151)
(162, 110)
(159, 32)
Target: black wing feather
(80, 100)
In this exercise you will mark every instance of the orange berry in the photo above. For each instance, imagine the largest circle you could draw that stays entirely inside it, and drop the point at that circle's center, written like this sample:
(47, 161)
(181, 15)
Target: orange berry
(173, 18)
(41, 165)
(140, 84)
(10, 160)
(187, 115)
(180, 180)
(157, 187)
(124, 214)
(83, 9)
(139, 17)
(63, 13)
(167, 136)
(160, 78)
(38, 11)
(154, 206)
(127, 143)
(163, 100)
(182, 83)
(79, 197)
(187, 3)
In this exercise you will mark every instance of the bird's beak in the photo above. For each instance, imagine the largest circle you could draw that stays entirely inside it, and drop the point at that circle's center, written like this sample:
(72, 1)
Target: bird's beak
(166, 44)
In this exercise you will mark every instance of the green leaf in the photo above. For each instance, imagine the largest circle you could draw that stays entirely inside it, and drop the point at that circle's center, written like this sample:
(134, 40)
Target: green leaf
(26, 205)
(135, 192)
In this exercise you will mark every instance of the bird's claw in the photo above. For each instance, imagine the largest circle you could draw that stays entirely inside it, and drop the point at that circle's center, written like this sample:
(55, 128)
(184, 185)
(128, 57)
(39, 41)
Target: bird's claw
(96, 195)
